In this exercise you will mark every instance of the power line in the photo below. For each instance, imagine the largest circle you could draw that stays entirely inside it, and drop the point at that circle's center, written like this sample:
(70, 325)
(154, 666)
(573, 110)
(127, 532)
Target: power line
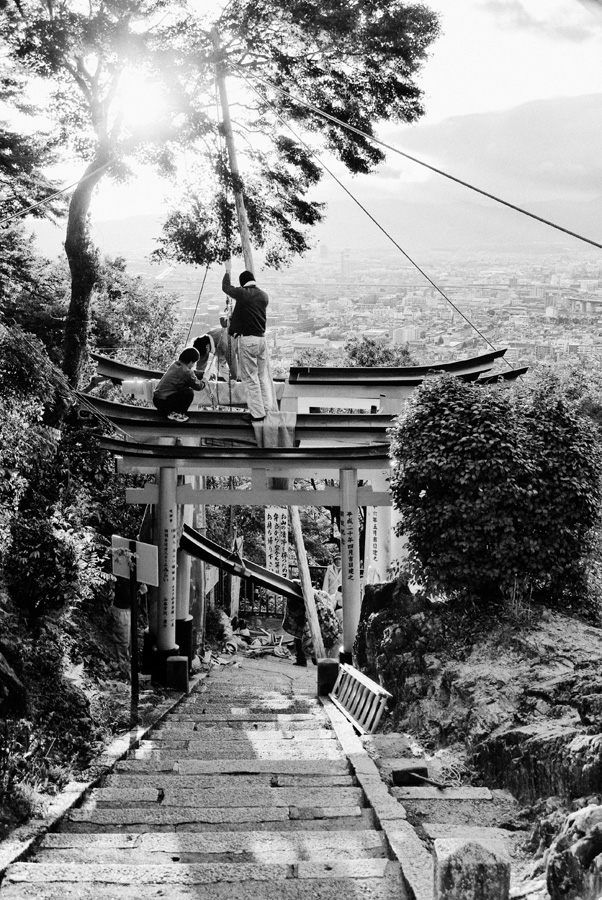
(58, 193)
(420, 162)
(378, 225)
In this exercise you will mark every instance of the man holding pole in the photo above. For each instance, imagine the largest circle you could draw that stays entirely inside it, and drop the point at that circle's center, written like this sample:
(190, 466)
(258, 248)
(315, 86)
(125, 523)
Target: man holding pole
(248, 324)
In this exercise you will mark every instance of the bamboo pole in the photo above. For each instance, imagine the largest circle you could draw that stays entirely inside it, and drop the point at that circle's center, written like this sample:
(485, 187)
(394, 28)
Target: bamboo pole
(308, 590)
(243, 225)
(245, 238)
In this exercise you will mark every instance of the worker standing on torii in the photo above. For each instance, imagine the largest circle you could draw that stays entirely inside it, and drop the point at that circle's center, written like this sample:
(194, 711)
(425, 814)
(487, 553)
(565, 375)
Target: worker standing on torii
(247, 325)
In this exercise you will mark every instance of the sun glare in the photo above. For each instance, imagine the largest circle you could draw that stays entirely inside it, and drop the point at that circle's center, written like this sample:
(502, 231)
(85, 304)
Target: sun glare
(140, 101)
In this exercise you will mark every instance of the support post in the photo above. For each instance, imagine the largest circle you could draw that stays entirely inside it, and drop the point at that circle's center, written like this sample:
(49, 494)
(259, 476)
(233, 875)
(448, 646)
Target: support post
(134, 627)
(377, 550)
(198, 573)
(168, 548)
(350, 552)
(184, 562)
(241, 212)
(308, 590)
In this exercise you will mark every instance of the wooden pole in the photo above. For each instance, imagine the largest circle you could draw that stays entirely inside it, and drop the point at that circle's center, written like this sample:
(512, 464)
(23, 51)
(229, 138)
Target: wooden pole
(168, 548)
(350, 553)
(308, 590)
(243, 224)
(134, 625)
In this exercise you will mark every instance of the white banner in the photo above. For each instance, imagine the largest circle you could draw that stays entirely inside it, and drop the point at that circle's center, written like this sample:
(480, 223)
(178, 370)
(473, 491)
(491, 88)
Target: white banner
(276, 539)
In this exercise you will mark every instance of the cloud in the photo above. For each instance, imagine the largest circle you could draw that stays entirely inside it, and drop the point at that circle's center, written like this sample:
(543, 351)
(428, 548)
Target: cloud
(575, 27)
(546, 149)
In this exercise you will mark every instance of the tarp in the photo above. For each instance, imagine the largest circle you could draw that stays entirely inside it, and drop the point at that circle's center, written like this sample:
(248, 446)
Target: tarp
(202, 548)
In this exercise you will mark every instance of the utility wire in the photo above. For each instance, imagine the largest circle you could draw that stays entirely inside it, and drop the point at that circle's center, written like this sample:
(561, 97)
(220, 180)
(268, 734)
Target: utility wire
(378, 225)
(198, 300)
(74, 395)
(63, 190)
(420, 162)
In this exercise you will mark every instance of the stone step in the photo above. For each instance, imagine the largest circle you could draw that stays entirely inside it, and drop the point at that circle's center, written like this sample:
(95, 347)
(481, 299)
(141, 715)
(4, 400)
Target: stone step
(227, 765)
(116, 797)
(245, 750)
(209, 714)
(239, 782)
(364, 820)
(389, 887)
(246, 704)
(202, 724)
(196, 873)
(186, 819)
(191, 733)
(243, 847)
(427, 792)
(487, 835)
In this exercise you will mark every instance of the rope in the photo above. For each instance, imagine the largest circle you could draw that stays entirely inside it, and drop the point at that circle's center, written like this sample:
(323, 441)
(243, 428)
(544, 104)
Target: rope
(378, 225)
(63, 190)
(198, 300)
(75, 396)
(420, 162)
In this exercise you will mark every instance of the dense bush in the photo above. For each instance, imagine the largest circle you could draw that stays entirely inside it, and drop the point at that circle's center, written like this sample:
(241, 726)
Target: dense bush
(499, 488)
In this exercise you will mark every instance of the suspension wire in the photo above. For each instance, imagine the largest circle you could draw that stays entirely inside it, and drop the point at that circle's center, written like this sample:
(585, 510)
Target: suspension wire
(63, 190)
(198, 300)
(420, 162)
(378, 225)
(75, 396)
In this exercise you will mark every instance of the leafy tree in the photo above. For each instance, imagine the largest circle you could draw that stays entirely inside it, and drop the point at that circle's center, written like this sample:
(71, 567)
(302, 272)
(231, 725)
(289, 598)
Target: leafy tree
(34, 292)
(498, 487)
(130, 315)
(23, 157)
(370, 352)
(355, 60)
(317, 356)
(27, 385)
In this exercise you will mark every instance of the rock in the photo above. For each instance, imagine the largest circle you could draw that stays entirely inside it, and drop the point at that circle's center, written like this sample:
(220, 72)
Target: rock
(469, 870)
(574, 863)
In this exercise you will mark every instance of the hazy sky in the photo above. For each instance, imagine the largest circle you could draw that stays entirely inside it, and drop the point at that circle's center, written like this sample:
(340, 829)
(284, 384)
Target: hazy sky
(493, 55)
(496, 54)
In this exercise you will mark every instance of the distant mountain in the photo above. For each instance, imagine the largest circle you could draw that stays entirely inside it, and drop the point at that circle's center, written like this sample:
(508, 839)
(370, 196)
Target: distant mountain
(546, 148)
(461, 226)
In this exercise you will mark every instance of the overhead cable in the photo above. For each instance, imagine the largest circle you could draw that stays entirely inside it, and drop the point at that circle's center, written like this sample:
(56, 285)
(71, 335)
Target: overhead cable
(63, 190)
(420, 162)
(378, 225)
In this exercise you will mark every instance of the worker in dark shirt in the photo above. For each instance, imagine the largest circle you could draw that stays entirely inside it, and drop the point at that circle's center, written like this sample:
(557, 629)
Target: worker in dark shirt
(247, 325)
(175, 392)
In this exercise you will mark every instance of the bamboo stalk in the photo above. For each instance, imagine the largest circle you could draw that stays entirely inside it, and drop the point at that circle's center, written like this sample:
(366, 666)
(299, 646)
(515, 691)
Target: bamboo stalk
(308, 590)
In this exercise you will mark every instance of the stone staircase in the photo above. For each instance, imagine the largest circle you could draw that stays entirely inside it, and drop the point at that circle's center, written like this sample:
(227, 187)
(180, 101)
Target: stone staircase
(243, 791)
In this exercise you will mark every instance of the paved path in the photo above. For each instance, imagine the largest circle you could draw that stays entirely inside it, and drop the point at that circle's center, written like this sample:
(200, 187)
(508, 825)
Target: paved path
(249, 788)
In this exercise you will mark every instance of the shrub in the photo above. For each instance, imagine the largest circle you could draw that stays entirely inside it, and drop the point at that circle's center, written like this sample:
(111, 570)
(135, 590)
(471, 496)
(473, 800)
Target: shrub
(498, 487)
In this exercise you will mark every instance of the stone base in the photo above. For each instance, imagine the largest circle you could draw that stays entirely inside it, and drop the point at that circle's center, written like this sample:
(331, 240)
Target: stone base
(159, 664)
(176, 668)
(184, 637)
(328, 672)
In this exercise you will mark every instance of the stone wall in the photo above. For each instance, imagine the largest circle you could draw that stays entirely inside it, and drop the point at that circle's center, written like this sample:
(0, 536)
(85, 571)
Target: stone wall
(525, 702)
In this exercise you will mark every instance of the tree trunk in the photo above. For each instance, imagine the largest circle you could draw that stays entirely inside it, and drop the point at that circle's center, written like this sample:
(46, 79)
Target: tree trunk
(83, 263)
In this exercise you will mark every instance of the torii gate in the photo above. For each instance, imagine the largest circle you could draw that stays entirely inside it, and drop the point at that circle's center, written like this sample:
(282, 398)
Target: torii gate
(348, 448)
(171, 464)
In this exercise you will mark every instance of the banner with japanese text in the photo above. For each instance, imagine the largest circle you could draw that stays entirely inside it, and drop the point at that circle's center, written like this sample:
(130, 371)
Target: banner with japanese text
(276, 539)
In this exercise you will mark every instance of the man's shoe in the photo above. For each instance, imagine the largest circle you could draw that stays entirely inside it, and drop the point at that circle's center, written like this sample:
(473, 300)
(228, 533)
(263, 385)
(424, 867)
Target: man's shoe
(177, 417)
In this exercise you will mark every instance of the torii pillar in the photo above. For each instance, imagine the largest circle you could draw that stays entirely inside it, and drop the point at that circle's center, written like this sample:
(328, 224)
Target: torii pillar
(350, 553)
(167, 535)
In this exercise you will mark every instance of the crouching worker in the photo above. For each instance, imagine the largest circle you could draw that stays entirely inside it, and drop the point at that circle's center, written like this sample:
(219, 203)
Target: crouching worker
(175, 392)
